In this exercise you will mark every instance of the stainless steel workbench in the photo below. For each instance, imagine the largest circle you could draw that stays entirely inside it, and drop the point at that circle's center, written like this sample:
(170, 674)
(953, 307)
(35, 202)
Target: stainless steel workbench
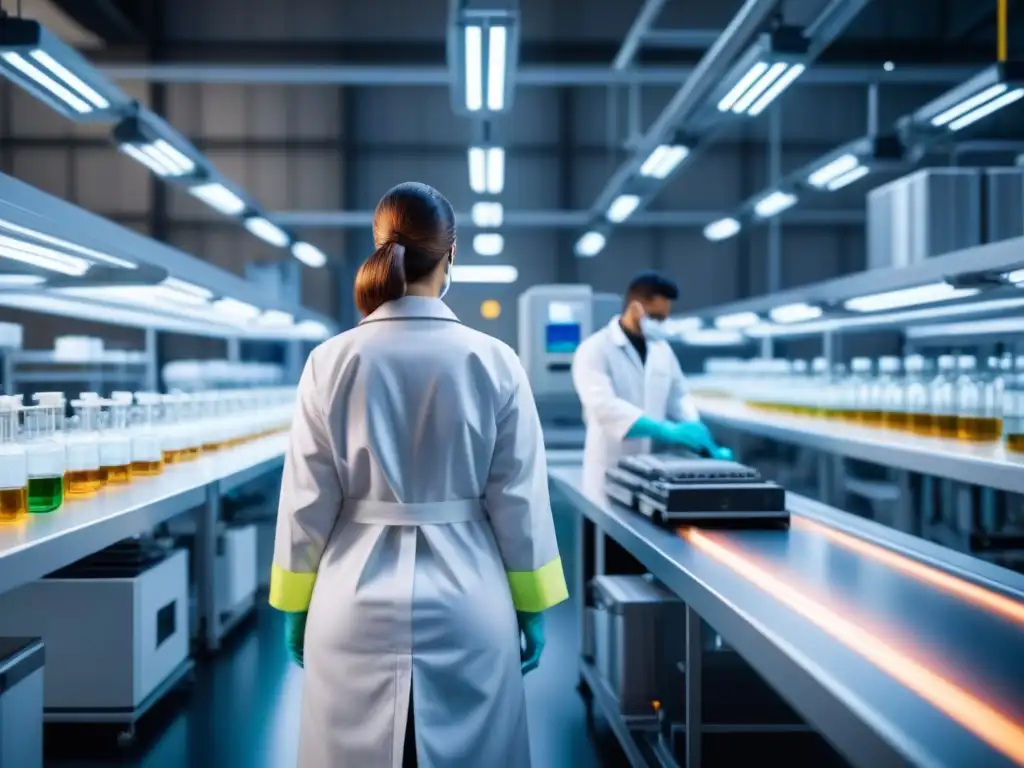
(985, 465)
(47, 542)
(867, 713)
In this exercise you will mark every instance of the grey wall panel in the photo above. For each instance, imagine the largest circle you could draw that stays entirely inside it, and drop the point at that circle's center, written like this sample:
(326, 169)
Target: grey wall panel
(420, 115)
(223, 111)
(536, 118)
(32, 118)
(47, 169)
(315, 180)
(705, 272)
(627, 252)
(106, 181)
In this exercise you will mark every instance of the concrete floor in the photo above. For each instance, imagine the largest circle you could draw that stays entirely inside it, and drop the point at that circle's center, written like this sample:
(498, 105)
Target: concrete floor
(243, 710)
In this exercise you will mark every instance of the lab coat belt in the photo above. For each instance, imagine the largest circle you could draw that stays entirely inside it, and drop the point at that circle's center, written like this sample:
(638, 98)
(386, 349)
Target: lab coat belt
(400, 513)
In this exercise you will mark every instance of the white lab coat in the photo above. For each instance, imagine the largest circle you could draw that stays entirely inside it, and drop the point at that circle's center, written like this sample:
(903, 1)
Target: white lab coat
(414, 520)
(616, 388)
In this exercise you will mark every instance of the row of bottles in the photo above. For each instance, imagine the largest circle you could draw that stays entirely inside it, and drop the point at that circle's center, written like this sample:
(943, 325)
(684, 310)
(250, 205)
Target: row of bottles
(47, 457)
(952, 397)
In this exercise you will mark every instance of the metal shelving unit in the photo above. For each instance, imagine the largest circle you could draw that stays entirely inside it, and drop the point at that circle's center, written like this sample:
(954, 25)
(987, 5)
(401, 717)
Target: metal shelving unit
(29, 368)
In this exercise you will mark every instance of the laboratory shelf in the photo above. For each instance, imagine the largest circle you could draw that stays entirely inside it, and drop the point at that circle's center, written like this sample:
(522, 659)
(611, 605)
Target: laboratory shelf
(987, 465)
(44, 543)
(808, 611)
(631, 733)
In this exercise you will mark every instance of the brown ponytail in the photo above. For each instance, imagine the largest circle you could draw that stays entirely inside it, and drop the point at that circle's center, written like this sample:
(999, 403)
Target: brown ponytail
(381, 278)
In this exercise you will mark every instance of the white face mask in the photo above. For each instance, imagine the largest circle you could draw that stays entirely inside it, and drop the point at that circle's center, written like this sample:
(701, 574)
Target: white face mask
(653, 330)
(447, 280)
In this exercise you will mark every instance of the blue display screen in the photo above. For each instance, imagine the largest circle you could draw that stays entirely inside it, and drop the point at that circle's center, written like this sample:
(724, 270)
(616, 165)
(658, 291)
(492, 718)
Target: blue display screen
(562, 337)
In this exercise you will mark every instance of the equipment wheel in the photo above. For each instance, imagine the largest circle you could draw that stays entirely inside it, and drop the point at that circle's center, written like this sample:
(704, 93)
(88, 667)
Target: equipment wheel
(126, 737)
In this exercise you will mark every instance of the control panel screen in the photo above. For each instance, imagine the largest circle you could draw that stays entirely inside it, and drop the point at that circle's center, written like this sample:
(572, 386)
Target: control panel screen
(562, 337)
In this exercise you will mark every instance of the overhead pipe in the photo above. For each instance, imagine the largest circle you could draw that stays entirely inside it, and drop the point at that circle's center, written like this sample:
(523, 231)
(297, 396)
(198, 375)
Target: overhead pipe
(631, 44)
(554, 219)
(526, 76)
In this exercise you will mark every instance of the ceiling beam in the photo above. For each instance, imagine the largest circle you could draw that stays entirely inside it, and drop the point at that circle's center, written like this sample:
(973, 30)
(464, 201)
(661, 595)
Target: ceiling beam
(114, 21)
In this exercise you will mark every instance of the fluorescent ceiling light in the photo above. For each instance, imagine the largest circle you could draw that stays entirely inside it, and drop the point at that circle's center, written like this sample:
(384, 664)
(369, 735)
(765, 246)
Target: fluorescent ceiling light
(65, 245)
(20, 281)
(160, 157)
(236, 309)
(622, 207)
(488, 243)
(1000, 325)
(908, 297)
(185, 292)
(736, 321)
(42, 257)
(487, 170)
(679, 326)
(885, 318)
(276, 318)
(1015, 277)
(774, 203)
(776, 88)
(487, 214)
(218, 197)
(474, 51)
(663, 160)
(760, 86)
(833, 170)
(969, 104)
(69, 77)
(987, 109)
(848, 178)
(590, 244)
(267, 231)
(795, 313)
(713, 338)
(721, 229)
(40, 78)
(308, 254)
(484, 273)
(496, 62)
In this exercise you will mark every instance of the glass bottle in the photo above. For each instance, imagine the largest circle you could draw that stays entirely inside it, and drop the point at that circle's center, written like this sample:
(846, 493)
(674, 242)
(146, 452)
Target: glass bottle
(978, 415)
(917, 395)
(818, 400)
(44, 448)
(115, 441)
(942, 395)
(175, 444)
(861, 406)
(147, 448)
(1013, 408)
(13, 464)
(891, 390)
(84, 476)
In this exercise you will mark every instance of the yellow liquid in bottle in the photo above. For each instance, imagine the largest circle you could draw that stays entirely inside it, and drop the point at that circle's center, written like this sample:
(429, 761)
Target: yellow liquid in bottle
(870, 418)
(210, 447)
(979, 429)
(147, 468)
(922, 424)
(1015, 443)
(194, 453)
(13, 504)
(175, 457)
(83, 482)
(895, 419)
(118, 475)
(944, 426)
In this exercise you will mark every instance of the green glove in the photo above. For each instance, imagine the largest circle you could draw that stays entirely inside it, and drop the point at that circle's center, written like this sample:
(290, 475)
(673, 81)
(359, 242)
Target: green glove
(295, 635)
(532, 627)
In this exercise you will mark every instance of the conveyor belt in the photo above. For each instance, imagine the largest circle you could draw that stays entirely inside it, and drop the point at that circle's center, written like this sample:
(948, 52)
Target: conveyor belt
(879, 653)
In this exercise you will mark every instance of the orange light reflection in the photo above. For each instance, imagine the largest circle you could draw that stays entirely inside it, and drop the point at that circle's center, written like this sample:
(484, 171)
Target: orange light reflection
(980, 596)
(987, 723)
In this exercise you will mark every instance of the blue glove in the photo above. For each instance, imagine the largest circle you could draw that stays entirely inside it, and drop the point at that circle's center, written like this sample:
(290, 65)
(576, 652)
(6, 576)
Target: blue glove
(723, 453)
(532, 627)
(295, 635)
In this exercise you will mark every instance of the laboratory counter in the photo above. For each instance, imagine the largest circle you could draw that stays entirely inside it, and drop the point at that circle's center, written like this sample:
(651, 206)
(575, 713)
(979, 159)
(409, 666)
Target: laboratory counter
(987, 465)
(897, 651)
(44, 543)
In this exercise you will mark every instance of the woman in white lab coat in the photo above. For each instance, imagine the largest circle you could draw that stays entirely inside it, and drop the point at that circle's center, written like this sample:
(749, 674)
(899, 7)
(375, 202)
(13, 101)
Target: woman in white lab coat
(414, 525)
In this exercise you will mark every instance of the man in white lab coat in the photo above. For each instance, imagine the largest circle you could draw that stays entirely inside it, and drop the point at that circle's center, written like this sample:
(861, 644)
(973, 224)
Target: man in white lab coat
(631, 386)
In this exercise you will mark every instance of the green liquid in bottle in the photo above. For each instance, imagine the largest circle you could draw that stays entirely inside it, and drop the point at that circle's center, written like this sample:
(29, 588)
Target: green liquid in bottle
(45, 494)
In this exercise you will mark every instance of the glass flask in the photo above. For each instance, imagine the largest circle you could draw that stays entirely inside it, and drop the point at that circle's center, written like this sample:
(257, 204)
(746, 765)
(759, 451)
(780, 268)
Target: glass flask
(147, 446)
(115, 441)
(1013, 408)
(917, 395)
(84, 476)
(861, 405)
(892, 393)
(942, 396)
(978, 414)
(45, 451)
(13, 464)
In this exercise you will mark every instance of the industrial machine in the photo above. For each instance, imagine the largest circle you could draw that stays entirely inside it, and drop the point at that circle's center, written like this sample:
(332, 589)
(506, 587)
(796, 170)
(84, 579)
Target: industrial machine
(674, 490)
(553, 321)
(115, 627)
